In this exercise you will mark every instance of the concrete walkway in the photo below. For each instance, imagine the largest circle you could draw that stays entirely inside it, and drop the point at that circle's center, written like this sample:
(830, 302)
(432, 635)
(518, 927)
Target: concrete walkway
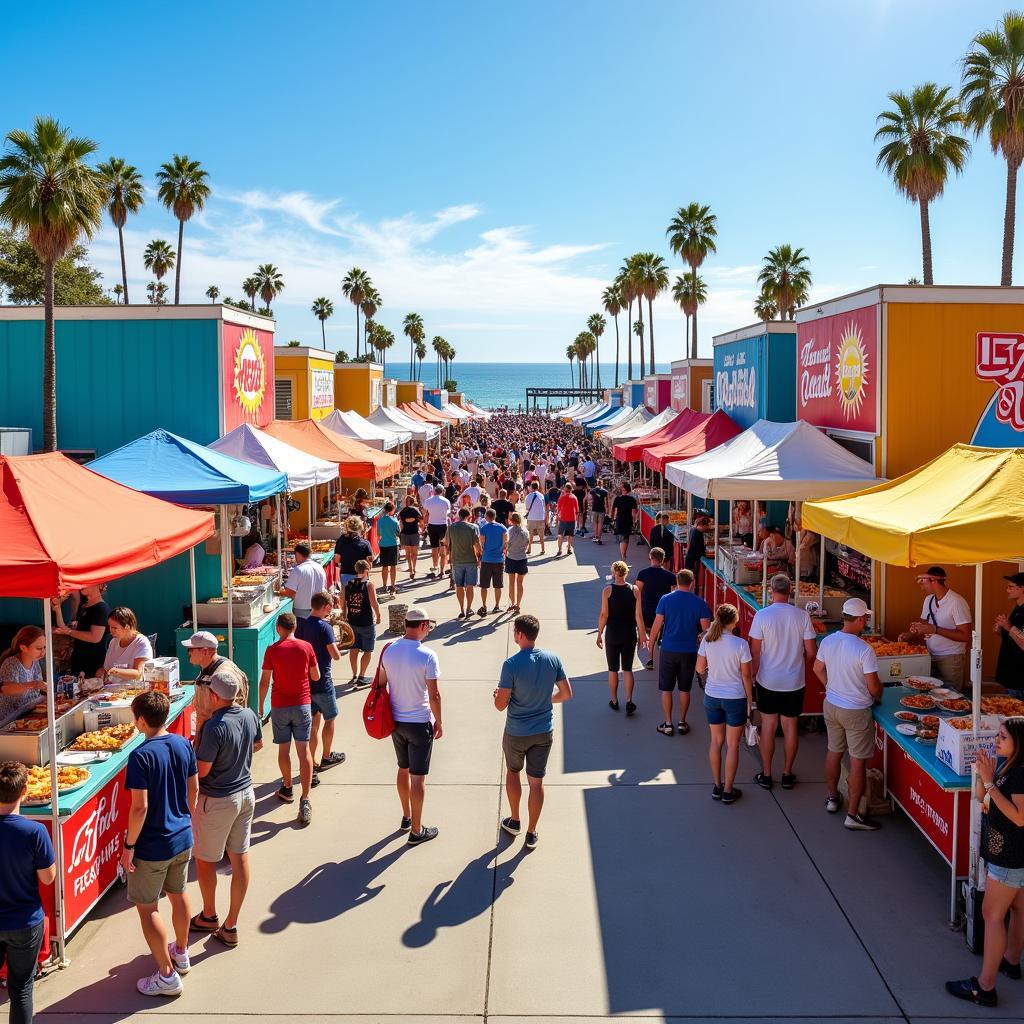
(645, 899)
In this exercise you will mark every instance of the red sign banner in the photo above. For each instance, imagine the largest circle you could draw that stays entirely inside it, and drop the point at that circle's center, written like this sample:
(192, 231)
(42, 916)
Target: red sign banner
(837, 371)
(1001, 359)
(248, 375)
(680, 399)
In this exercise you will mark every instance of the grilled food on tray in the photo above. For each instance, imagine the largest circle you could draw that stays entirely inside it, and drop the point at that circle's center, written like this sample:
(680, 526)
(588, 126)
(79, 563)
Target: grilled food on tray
(962, 724)
(113, 737)
(921, 683)
(919, 702)
(39, 781)
(894, 648)
(956, 704)
(1006, 706)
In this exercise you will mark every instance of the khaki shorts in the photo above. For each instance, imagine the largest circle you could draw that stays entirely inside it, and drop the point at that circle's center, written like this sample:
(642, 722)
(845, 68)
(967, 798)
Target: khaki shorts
(152, 877)
(850, 729)
(950, 669)
(223, 823)
(533, 751)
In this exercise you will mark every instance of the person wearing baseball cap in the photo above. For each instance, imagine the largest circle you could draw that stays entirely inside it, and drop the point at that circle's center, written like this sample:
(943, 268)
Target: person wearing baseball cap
(848, 669)
(945, 626)
(1010, 665)
(202, 652)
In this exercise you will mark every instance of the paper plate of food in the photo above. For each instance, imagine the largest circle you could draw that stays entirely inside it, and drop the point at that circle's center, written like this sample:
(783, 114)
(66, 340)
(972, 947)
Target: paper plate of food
(956, 705)
(961, 724)
(918, 702)
(38, 785)
(1007, 707)
(905, 716)
(922, 683)
(945, 693)
(80, 757)
(906, 729)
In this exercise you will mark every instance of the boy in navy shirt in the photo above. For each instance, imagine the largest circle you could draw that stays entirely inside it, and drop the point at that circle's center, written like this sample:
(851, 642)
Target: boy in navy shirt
(26, 859)
(162, 776)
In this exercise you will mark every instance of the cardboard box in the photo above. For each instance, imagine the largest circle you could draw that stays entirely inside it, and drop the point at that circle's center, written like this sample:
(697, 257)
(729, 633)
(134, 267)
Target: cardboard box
(958, 749)
(162, 674)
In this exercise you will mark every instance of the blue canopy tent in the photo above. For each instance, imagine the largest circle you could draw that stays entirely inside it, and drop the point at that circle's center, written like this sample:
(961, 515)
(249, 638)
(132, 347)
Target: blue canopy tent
(167, 466)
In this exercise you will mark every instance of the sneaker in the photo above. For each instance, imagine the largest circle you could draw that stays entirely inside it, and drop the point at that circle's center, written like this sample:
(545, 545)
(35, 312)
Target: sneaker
(333, 758)
(315, 782)
(512, 826)
(717, 792)
(666, 729)
(970, 990)
(405, 824)
(481, 611)
(614, 705)
(531, 840)
(286, 793)
(764, 781)
(1010, 970)
(861, 823)
(788, 780)
(630, 708)
(649, 665)
(181, 962)
(424, 835)
(158, 985)
(730, 796)
(305, 812)
(833, 803)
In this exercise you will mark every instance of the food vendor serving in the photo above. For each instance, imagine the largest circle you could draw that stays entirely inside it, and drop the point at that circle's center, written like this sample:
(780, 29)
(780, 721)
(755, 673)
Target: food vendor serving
(21, 664)
(88, 631)
(743, 523)
(128, 650)
(777, 547)
(1010, 627)
(945, 625)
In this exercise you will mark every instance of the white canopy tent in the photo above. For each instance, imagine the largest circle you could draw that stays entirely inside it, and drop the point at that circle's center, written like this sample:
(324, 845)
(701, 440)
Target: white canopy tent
(252, 445)
(594, 413)
(351, 424)
(640, 424)
(482, 414)
(569, 410)
(455, 410)
(587, 410)
(625, 413)
(395, 418)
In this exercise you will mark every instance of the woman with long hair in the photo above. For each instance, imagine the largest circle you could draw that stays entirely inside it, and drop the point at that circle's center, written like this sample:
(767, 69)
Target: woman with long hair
(88, 631)
(728, 697)
(619, 627)
(410, 518)
(516, 566)
(21, 665)
(1000, 790)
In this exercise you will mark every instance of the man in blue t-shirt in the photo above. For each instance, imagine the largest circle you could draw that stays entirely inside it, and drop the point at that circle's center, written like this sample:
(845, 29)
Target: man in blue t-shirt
(319, 634)
(494, 542)
(679, 620)
(26, 860)
(162, 776)
(532, 681)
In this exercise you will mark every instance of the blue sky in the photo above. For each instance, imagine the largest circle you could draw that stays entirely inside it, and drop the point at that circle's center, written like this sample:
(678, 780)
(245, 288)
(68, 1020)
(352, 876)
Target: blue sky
(491, 165)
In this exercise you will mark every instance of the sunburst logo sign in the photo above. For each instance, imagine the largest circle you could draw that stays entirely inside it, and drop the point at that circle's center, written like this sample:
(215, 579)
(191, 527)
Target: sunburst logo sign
(250, 377)
(852, 370)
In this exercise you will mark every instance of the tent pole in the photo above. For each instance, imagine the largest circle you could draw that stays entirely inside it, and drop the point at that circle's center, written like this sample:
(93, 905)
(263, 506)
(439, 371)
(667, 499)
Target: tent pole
(55, 829)
(976, 647)
(280, 529)
(796, 570)
(226, 574)
(192, 586)
(821, 575)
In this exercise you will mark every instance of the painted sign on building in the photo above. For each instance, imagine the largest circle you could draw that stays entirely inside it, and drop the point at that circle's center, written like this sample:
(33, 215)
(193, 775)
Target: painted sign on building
(321, 389)
(737, 380)
(248, 376)
(837, 371)
(680, 398)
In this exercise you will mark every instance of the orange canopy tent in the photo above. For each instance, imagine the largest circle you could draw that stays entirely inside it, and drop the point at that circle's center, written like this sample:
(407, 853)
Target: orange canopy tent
(356, 461)
(64, 527)
(633, 450)
(420, 412)
(708, 434)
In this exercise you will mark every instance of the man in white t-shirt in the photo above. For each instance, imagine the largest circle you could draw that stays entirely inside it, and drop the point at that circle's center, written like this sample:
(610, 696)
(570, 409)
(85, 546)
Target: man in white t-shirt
(305, 579)
(410, 670)
(782, 643)
(426, 489)
(536, 515)
(541, 471)
(472, 492)
(848, 668)
(436, 511)
(945, 625)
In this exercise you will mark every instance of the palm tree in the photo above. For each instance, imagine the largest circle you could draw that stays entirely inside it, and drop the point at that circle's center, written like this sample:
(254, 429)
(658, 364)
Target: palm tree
(412, 328)
(627, 291)
(159, 257)
(765, 307)
(992, 98)
(251, 288)
(183, 190)
(157, 292)
(438, 345)
(652, 279)
(269, 283)
(213, 293)
(691, 235)
(596, 325)
(383, 340)
(634, 276)
(612, 302)
(638, 330)
(322, 308)
(354, 287)
(920, 147)
(118, 293)
(421, 354)
(785, 278)
(123, 194)
(689, 292)
(570, 352)
(370, 330)
(370, 304)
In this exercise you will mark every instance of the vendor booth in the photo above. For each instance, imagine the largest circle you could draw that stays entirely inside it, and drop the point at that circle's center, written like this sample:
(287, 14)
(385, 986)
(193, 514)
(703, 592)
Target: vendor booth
(358, 386)
(755, 373)
(303, 383)
(692, 386)
(117, 531)
(633, 392)
(658, 391)
(421, 432)
(967, 507)
(636, 420)
(351, 424)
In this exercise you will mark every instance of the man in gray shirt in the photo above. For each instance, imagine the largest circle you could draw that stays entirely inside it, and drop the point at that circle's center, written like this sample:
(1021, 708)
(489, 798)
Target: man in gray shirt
(224, 811)
(464, 554)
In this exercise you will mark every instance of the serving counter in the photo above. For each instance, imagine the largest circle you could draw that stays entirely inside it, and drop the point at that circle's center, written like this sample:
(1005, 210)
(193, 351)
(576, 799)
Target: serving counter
(93, 820)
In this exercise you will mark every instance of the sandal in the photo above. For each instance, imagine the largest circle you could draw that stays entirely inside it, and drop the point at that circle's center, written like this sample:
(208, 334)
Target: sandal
(202, 923)
(683, 728)
(229, 936)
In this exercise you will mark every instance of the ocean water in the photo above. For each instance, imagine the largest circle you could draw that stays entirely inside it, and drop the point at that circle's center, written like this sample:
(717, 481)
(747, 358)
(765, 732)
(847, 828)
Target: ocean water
(493, 384)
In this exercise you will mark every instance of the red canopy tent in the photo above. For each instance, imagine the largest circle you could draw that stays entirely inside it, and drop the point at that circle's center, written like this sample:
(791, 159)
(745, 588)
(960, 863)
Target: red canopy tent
(421, 412)
(708, 434)
(633, 450)
(64, 527)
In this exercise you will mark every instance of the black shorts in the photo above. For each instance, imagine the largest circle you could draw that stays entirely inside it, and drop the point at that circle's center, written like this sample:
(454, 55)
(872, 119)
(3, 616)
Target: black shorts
(409, 540)
(491, 575)
(389, 556)
(413, 743)
(516, 566)
(533, 751)
(620, 654)
(788, 703)
(436, 534)
(676, 669)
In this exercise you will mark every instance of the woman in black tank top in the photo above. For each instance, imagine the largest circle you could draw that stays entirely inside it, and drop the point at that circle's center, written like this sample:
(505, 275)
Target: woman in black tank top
(619, 628)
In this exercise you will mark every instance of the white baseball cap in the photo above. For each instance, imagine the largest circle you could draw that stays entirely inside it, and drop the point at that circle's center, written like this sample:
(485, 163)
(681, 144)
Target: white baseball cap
(856, 608)
(201, 639)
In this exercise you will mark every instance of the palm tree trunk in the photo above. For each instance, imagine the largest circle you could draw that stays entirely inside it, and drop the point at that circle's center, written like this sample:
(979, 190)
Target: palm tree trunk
(357, 332)
(597, 359)
(572, 376)
(1009, 222)
(643, 354)
(411, 355)
(616, 349)
(629, 340)
(926, 242)
(686, 347)
(124, 270)
(177, 262)
(49, 364)
(650, 325)
(693, 341)
(323, 334)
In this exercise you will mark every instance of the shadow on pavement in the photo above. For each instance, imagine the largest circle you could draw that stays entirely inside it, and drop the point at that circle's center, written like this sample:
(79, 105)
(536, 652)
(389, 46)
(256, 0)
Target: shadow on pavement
(94, 1000)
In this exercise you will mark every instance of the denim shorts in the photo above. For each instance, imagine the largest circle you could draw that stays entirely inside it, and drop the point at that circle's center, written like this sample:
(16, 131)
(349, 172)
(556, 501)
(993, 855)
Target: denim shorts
(465, 575)
(366, 637)
(292, 723)
(325, 704)
(1013, 877)
(726, 710)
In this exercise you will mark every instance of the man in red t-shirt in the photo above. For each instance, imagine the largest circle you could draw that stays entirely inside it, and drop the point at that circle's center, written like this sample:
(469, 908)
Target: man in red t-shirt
(291, 663)
(568, 510)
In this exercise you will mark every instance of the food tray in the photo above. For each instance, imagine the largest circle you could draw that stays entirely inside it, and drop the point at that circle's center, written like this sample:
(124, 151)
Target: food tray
(244, 613)
(32, 748)
(113, 748)
(61, 791)
(894, 669)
